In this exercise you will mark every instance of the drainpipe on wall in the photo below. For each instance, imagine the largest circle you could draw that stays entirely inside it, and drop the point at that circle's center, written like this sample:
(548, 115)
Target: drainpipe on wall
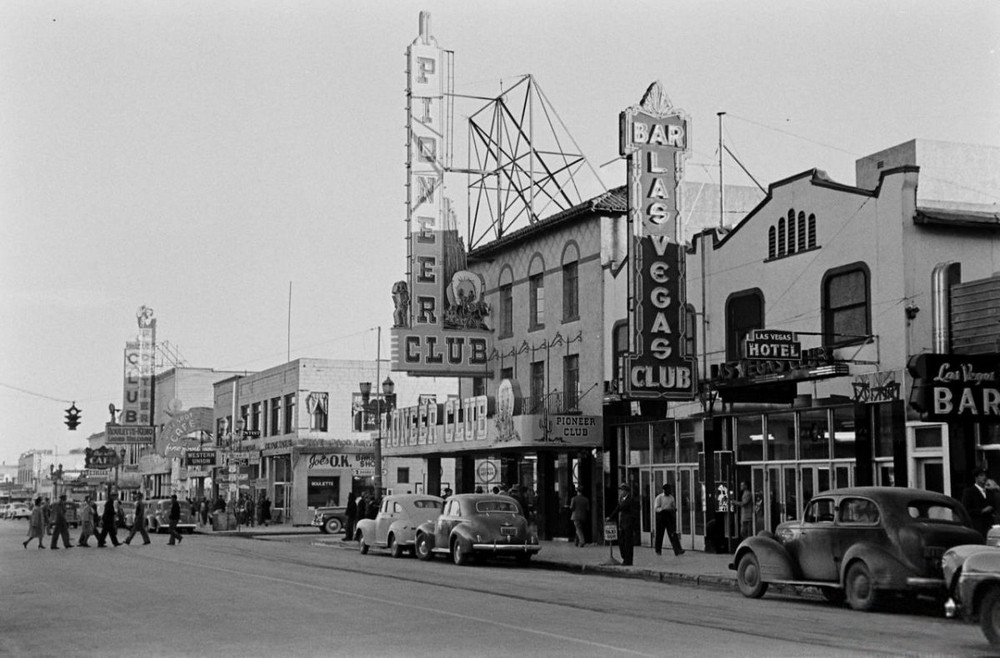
(944, 276)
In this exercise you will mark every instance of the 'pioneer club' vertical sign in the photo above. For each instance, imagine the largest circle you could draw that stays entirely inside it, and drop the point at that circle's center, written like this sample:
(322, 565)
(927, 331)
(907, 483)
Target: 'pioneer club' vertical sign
(654, 138)
(440, 314)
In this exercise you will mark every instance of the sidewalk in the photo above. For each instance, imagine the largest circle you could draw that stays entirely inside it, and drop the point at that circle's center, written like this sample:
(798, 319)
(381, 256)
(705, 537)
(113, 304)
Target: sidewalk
(694, 568)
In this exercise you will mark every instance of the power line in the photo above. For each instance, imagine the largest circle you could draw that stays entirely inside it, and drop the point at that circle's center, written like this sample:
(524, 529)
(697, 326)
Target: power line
(37, 395)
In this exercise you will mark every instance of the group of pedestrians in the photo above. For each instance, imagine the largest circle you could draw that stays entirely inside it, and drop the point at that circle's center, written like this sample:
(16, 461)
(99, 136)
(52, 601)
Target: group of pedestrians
(89, 526)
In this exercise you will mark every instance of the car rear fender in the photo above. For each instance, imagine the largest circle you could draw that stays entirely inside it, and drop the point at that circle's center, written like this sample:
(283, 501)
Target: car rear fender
(887, 570)
(425, 530)
(461, 535)
(775, 562)
(402, 531)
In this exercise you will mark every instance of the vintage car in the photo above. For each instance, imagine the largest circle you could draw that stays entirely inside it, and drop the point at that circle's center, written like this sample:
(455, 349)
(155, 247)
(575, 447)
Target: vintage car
(972, 574)
(395, 526)
(330, 520)
(158, 516)
(19, 511)
(475, 525)
(857, 543)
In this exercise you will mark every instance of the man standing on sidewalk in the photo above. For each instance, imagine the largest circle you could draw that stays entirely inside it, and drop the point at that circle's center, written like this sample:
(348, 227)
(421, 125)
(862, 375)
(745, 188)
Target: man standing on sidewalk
(139, 521)
(665, 506)
(174, 517)
(579, 513)
(627, 513)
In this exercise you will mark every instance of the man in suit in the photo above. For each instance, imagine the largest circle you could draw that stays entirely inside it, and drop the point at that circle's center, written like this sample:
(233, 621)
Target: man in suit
(60, 525)
(174, 517)
(627, 513)
(139, 521)
(109, 523)
(977, 503)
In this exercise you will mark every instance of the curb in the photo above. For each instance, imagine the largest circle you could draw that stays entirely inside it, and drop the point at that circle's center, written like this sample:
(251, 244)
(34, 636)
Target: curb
(611, 571)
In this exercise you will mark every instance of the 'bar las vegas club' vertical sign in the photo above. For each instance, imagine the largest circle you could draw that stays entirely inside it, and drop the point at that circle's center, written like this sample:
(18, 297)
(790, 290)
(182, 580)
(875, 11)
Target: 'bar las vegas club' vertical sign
(654, 138)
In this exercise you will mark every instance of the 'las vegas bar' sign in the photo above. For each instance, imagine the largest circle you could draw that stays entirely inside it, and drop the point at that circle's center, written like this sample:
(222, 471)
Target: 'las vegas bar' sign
(654, 137)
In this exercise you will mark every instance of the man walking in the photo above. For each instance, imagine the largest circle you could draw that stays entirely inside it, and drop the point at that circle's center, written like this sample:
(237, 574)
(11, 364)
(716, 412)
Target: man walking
(86, 522)
(579, 513)
(174, 517)
(109, 525)
(627, 513)
(139, 521)
(60, 528)
(665, 506)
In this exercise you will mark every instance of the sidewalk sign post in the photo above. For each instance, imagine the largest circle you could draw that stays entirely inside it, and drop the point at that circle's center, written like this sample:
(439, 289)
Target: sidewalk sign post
(610, 537)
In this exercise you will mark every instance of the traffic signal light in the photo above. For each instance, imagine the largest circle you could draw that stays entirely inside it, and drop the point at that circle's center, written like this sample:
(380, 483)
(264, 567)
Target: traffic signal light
(72, 417)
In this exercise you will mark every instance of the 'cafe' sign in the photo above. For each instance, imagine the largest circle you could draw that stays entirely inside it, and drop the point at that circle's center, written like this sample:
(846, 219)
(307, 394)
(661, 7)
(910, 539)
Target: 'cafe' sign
(655, 138)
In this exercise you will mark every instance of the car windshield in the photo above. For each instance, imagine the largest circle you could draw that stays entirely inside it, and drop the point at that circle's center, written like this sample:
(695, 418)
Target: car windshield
(428, 504)
(497, 506)
(926, 510)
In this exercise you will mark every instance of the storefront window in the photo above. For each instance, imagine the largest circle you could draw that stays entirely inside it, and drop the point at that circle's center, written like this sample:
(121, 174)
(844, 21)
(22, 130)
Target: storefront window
(883, 438)
(989, 435)
(689, 441)
(749, 439)
(638, 444)
(781, 436)
(664, 448)
(323, 491)
(813, 435)
(843, 432)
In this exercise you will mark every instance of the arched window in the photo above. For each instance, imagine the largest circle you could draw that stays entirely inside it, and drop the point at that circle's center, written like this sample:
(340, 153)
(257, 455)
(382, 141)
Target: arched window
(791, 236)
(570, 282)
(846, 305)
(771, 243)
(781, 236)
(812, 231)
(536, 293)
(802, 230)
(505, 289)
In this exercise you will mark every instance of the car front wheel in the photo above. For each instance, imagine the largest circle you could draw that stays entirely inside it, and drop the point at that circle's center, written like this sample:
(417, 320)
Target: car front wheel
(748, 577)
(989, 615)
(362, 546)
(423, 548)
(860, 588)
(332, 526)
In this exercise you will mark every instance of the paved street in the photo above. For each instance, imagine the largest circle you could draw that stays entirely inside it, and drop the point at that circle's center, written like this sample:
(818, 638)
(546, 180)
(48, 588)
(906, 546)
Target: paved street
(305, 595)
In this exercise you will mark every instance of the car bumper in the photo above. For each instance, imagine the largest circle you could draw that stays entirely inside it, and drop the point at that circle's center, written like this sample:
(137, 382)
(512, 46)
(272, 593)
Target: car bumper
(914, 582)
(506, 549)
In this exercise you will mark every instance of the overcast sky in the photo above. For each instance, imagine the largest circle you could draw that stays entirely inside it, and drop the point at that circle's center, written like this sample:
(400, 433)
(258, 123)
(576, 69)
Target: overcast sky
(197, 157)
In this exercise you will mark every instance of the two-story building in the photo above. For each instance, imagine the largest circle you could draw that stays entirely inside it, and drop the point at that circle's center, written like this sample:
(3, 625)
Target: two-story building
(301, 434)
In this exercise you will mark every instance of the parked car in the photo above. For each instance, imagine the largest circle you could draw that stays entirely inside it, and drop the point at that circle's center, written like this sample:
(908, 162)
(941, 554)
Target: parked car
(972, 574)
(20, 511)
(858, 543)
(158, 516)
(477, 524)
(395, 526)
(128, 512)
(330, 520)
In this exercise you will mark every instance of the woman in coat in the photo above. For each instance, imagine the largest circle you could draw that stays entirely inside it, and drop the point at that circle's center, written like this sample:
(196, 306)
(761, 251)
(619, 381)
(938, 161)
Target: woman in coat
(36, 525)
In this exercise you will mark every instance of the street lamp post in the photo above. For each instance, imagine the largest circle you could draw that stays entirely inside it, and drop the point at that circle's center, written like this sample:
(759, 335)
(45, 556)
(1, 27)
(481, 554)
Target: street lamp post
(366, 396)
(385, 405)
